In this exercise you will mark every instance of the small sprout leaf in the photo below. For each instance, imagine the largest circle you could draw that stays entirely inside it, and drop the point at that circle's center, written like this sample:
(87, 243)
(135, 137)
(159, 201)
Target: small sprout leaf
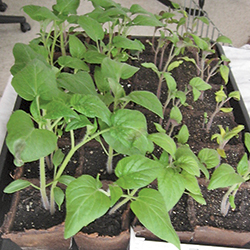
(209, 157)
(59, 196)
(16, 186)
(66, 179)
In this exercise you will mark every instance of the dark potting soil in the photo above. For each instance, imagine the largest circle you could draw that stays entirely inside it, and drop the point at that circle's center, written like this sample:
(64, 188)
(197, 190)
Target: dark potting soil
(91, 159)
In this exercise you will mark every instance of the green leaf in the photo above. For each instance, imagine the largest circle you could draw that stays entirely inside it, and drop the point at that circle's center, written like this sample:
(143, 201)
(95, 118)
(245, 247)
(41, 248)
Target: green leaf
(224, 71)
(128, 133)
(200, 42)
(66, 179)
(137, 9)
(58, 157)
(191, 183)
(80, 122)
(247, 141)
(198, 198)
(171, 186)
(93, 56)
(79, 83)
(36, 79)
(26, 142)
(198, 85)
(147, 100)
(226, 110)
(243, 165)
(66, 7)
(151, 66)
(223, 39)
(187, 160)
(165, 142)
(151, 20)
(176, 115)
(76, 47)
(136, 171)
(183, 135)
(171, 83)
(91, 27)
(126, 43)
(235, 95)
(39, 13)
(115, 193)
(117, 70)
(23, 55)
(91, 106)
(101, 83)
(209, 157)
(151, 211)
(57, 109)
(72, 62)
(16, 185)
(59, 196)
(174, 65)
(84, 203)
(224, 176)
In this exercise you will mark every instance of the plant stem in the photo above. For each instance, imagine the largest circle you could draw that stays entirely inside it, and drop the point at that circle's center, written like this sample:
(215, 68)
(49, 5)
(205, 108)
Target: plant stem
(43, 184)
(110, 159)
(124, 201)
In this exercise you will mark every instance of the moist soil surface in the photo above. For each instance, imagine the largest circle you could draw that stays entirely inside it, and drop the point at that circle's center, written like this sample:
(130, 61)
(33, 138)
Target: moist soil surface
(91, 159)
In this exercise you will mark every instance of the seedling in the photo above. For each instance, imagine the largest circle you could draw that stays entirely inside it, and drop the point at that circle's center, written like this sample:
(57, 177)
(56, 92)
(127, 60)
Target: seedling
(221, 99)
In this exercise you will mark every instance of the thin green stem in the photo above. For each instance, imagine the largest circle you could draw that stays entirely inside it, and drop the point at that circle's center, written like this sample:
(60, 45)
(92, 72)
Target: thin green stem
(43, 184)
(72, 138)
(110, 159)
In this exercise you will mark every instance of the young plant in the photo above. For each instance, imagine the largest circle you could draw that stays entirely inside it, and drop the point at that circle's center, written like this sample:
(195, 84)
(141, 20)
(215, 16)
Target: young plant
(221, 99)
(225, 176)
(224, 136)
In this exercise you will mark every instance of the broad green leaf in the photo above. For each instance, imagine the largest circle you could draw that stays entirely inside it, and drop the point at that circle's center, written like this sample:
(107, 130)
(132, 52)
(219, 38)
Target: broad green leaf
(171, 186)
(223, 39)
(115, 193)
(58, 157)
(59, 196)
(76, 47)
(101, 83)
(117, 70)
(79, 83)
(198, 85)
(126, 43)
(191, 183)
(151, 211)
(235, 95)
(224, 176)
(176, 115)
(26, 142)
(243, 165)
(23, 55)
(247, 141)
(104, 3)
(171, 83)
(35, 79)
(187, 160)
(128, 132)
(66, 179)
(137, 9)
(165, 142)
(72, 62)
(91, 106)
(187, 59)
(116, 88)
(16, 185)
(174, 65)
(84, 203)
(147, 100)
(136, 171)
(200, 42)
(80, 122)
(91, 27)
(66, 7)
(198, 198)
(39, 13)
(224, 71)
(209, 157)
(93, 56)
(57, 109)
(183, 135)
(150, 20)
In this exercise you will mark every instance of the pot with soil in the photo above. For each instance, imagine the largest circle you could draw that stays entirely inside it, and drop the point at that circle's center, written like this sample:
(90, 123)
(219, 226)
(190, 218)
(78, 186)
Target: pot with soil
(107, 131)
